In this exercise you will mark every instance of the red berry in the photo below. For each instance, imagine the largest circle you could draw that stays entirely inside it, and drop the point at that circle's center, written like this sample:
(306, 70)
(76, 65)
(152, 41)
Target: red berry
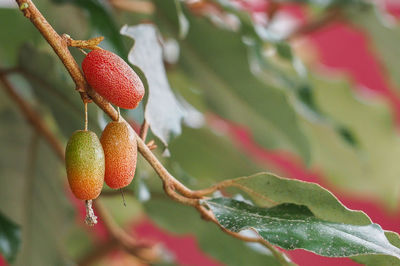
(120, 151)
(111, 77)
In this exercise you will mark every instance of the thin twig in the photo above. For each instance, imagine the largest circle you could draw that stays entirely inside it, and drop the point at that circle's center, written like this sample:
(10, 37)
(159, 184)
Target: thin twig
(208, 215)
(143, 130)
(83, 44)
(10, 70)
(109, 193)
(58, 44)
(32, 77)
(86, 117)
(261, 241)
(166, 177)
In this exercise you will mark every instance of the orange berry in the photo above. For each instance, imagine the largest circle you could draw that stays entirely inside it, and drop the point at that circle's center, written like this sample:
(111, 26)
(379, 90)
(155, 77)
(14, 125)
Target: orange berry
(120, 150)
(84, 161)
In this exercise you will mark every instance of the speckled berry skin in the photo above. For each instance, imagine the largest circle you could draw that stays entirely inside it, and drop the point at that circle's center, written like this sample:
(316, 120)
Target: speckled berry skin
(120, 150)
(111, 77)
(85, 164)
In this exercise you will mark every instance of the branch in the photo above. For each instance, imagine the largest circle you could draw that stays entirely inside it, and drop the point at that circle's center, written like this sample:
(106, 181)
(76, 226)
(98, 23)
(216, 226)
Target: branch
(143, 130)
(171, 185)
(58, 44)
(86, 44)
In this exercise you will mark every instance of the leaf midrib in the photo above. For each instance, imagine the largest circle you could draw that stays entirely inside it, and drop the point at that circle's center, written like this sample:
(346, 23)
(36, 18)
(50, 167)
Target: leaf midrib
(395, 252)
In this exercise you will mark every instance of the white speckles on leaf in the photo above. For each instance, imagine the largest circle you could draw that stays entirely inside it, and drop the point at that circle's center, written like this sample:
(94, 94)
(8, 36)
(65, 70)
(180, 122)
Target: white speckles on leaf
(293, 226)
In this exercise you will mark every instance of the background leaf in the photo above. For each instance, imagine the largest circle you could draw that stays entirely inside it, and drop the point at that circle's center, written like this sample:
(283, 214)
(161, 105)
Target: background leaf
(183, 22)
(36, 200)
(383, 34)
(164, 111)
(9, 48)
(52, 86)
(10, 238)
(103, 22)
(370, 167)
(233, 92)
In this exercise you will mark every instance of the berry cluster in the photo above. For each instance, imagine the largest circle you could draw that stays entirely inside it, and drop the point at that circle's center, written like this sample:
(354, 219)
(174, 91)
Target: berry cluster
(90, 161)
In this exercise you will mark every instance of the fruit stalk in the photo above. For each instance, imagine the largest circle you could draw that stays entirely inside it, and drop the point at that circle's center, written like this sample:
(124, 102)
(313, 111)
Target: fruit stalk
(90, 218)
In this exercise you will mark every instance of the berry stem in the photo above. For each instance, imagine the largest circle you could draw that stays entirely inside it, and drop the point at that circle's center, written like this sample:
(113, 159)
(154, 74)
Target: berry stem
(84, 44)
(90, 218)
(123, 197)
(83, 51)
(144, 129)
(86, 117)
(119, 114)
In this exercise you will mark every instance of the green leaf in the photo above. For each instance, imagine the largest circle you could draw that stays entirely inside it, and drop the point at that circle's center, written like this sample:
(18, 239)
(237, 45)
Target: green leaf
(384, 36)
(13, 37)
(183, 22)
(31, 190)
(216, 62)
(164, 111)
(10, 238)
(373, 260)
(269, 190)
(284, 50)
(370, 166)
(293, 226)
